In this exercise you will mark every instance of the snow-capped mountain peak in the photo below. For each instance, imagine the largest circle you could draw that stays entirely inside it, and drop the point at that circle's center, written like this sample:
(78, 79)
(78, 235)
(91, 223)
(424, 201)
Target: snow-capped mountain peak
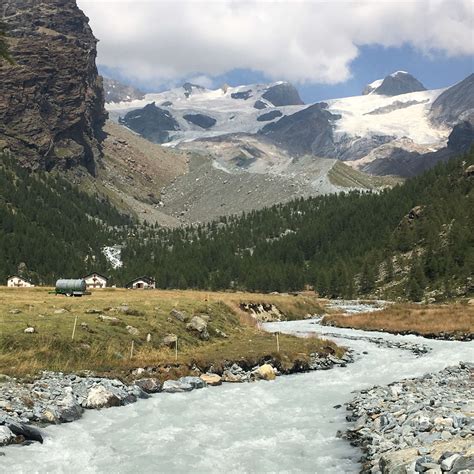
(397, 83)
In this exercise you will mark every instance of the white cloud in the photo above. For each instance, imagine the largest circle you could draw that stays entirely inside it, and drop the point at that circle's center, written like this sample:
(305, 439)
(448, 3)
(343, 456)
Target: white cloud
(302, 41)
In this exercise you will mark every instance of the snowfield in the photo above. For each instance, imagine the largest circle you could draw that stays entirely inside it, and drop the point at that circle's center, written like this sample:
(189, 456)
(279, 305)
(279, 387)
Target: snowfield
(411, 122)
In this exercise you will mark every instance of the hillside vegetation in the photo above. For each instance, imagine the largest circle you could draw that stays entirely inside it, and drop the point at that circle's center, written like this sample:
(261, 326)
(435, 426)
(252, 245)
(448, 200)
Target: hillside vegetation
(404, 241)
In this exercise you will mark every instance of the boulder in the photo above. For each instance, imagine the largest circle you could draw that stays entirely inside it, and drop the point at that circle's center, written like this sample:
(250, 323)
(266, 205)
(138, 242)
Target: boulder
(100, 397)
(265, 372)
(149, 385)
(27, 432)
(463, 464)
(176, 386)
(29, 330)
(179, 315)
(198, 325)
(60, 311)
(212, 379)
(228, 376)
(109, 319)
(195, 382)
(68, 408)
(15, 311)
(6, 436)
(170, 340)
(132, 330)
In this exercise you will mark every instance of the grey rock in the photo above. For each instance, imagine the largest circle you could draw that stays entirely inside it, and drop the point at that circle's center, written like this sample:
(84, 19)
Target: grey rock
(195, 382)
(6, 435)
(149, 385)
(464, 465)
(179, 315)
(175, 386)
(198, 325)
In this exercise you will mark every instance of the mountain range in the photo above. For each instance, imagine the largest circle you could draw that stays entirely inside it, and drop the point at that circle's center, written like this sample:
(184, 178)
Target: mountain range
(387, 130)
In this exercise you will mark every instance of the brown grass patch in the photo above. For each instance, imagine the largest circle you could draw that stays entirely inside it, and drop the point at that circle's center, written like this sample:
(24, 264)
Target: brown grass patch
(426, 320)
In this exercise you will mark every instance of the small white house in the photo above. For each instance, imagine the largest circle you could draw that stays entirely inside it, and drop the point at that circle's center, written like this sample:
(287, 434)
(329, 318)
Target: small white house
(143, 282)
(15, 281)
(96, 280)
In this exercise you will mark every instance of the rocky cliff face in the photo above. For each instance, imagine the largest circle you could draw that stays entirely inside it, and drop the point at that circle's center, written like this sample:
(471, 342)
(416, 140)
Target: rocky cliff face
(51, 101)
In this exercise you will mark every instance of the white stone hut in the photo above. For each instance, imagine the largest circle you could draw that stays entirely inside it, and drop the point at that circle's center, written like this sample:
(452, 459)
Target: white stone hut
(143, 282)
(16, 281)
(96, 280)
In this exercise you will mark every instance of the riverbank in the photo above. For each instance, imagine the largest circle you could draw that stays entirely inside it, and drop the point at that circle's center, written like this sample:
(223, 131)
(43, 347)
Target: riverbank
(422, 424)
(113, 331)
(61, 398)
(453, 322)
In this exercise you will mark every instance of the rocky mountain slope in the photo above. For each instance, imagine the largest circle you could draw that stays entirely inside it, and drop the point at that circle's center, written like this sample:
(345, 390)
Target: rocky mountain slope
(116, 91)
(214, 177)
(52, 102)
(393, 123)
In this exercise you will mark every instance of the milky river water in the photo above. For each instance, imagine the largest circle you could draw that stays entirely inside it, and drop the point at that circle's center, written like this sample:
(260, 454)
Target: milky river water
(287, 425)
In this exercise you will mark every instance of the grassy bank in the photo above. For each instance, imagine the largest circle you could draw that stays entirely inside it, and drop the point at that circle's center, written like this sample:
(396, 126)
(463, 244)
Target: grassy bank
(455, 320)
(105, 346)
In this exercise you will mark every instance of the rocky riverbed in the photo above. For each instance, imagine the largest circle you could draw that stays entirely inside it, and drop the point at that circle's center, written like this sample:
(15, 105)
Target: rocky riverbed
(57, 398)
(422, 424)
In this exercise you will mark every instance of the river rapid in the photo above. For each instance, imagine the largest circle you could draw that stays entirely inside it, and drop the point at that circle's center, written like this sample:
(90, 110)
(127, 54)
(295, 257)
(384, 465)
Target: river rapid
(287, 425)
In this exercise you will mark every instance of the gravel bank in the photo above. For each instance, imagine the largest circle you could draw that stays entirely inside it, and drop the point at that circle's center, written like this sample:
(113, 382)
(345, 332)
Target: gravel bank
(423, 424)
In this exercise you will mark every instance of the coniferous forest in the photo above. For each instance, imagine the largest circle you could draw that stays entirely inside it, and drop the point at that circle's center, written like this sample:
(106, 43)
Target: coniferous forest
(402, 242)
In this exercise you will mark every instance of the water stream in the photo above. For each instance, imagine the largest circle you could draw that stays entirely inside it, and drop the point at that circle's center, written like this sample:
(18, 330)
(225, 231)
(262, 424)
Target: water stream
(288, 425)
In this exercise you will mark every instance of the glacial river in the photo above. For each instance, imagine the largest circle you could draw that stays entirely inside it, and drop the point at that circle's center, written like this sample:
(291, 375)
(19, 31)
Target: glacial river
(288, 425)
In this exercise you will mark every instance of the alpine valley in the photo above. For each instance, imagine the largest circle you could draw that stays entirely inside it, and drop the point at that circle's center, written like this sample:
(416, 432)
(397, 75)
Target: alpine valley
(250, 283)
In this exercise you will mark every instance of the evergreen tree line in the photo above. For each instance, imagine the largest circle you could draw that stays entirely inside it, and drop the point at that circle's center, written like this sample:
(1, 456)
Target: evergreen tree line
(49, 229)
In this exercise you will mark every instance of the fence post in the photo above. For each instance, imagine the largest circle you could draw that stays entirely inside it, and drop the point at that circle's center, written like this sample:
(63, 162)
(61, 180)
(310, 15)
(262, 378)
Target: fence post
(131, 348)
(74, 328)
(278, 343)
(176, 349)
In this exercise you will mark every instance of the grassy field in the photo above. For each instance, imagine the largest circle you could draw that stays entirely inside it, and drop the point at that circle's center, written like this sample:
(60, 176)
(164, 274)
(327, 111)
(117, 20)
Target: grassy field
(426, 320)
(104, 347)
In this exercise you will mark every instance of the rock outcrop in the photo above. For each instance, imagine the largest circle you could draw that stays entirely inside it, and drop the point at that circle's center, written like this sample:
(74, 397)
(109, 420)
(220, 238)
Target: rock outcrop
(309, 131)
(151, 122)
(400, 82)
(455, 104)
(283, 94)
(52, 104)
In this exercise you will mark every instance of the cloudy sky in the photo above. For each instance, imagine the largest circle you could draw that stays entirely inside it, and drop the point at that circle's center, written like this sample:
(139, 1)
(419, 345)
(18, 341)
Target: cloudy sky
(326, 48)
